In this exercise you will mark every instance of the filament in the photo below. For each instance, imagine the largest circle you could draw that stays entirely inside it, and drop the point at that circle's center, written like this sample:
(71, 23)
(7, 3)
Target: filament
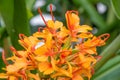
(51, 12)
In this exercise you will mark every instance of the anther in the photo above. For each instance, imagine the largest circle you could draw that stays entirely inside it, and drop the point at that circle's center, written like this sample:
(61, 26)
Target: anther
(16, 53)
(104, 36)
(21, 36)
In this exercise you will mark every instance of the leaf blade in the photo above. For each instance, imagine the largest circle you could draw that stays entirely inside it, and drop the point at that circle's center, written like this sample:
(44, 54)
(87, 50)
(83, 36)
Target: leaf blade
(109, 71)
(116, 7)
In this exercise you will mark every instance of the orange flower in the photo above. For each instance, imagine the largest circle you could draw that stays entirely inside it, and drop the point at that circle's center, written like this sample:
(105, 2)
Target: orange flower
(56, 52)
(73, 25)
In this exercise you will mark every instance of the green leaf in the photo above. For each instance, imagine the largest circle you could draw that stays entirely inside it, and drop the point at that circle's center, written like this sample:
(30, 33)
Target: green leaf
(29, 4)
(116, 7)
(14, 14)
(108, 52)
(110, 71)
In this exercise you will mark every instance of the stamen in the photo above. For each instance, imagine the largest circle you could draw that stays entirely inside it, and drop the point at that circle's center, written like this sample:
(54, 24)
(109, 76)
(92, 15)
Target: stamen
(98, 58)
(92, 71)
(51, 12)
(104, 36)
(23, 74)
(16, 53)
(33, 61)
(40, 28)
(3, 57)
(21, 36)
(42, 16)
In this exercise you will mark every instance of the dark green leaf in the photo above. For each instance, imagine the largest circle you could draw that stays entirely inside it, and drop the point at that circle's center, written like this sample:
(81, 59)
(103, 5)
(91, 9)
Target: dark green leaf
(116, 7)
(29, 4)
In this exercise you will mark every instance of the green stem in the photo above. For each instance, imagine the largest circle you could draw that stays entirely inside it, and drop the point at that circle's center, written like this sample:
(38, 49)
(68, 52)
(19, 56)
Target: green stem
(108, 52)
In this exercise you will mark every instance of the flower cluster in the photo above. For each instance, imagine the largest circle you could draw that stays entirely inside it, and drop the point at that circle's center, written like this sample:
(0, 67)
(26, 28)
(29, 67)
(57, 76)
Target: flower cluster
(55, 52)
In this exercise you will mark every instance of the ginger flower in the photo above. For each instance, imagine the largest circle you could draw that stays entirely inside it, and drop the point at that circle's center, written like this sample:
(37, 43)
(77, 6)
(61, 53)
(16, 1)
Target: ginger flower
(56, 52)
(75, 29)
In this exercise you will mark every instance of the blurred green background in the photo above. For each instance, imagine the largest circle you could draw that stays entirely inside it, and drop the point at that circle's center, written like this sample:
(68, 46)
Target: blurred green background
(21, 16)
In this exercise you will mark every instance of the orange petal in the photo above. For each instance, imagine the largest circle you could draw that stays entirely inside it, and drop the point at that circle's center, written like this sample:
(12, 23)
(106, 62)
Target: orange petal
(72, 19)
(3, 75)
